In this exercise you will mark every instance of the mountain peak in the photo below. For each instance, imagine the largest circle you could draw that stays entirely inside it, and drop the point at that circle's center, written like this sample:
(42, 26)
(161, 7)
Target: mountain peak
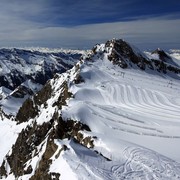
(121, 53)
(162, 55)
(125, 55)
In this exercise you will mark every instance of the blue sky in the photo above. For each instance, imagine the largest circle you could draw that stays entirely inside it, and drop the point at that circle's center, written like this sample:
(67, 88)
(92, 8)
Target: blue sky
(82, 23)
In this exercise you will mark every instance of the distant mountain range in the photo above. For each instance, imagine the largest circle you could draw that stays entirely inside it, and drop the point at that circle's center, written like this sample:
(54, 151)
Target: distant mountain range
(19, 65)
(108, 113)
(24, 71)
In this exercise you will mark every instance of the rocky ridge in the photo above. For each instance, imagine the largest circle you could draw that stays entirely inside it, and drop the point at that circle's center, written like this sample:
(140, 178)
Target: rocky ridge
(39, 135)
(121, 53)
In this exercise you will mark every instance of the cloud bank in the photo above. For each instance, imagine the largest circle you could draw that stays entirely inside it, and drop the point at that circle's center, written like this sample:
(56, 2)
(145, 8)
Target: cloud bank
(143, 33)
(77, 24)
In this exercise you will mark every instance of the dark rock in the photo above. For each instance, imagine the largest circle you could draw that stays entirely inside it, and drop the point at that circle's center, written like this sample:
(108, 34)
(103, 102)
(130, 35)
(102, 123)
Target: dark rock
(65, 94)
(3, 170)
(29, 108)
(43, 95)
(43, 168)
(121, 51)
(26, 143)
(27, 111)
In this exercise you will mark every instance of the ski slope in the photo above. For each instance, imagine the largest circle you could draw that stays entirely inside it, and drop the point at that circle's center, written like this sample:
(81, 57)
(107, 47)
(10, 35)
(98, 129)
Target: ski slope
(135, 116)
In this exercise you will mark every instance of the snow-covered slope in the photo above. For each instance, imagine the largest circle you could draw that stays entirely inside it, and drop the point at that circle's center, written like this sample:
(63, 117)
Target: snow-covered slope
(175, 53)
(115, 115)
(12, 100)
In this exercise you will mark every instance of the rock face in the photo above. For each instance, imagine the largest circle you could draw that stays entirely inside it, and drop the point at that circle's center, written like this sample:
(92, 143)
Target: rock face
(123, 55)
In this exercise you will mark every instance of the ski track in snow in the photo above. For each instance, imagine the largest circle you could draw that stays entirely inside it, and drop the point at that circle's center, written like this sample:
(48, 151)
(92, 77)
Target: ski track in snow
(144, 164)
(157, 106)
(140, 110)
(137, 163)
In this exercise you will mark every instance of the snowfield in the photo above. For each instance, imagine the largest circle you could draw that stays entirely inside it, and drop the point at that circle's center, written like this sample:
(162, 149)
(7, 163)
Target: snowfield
(136, 118)
(135, 105)
(175, 53)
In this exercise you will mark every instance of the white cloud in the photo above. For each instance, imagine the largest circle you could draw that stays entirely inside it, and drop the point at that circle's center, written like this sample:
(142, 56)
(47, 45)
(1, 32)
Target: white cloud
(148, 33)
(24, 23)
(142, 31)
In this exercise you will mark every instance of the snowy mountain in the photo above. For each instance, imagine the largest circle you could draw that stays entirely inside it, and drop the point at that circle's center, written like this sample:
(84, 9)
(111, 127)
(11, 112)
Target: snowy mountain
(19, 65)
(114, 115)
(24, 71)
(168, 58)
